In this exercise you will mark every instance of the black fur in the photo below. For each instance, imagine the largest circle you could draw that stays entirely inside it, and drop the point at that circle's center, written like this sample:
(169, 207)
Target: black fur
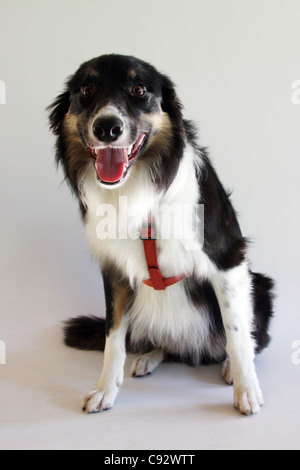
(86, 333)
(223, 240)
(263, 296)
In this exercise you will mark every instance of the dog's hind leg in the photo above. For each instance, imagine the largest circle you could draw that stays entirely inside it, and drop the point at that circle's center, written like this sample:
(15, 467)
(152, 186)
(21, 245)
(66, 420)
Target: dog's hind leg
(262, 297)
(147, 363)
(233, 289)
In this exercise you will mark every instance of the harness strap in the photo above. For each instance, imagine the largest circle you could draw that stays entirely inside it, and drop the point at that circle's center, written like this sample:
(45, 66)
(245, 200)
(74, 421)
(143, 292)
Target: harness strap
(157, 281)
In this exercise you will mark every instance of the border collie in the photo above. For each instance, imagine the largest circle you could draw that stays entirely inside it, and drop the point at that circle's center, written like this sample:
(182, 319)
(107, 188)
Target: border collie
(121, 137)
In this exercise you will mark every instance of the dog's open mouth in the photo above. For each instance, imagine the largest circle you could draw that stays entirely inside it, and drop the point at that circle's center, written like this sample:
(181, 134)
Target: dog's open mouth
(112, 163)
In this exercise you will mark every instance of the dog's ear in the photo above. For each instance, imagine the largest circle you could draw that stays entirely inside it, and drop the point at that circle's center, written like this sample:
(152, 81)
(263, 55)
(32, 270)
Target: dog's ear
(170, 102)
(57, 111)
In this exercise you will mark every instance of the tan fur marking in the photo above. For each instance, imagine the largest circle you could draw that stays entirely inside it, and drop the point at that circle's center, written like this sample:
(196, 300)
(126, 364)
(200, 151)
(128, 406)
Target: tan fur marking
(70, 123)
(70, 131)
(162, 131)
(132, 74)
(120, 306)
(163, 123)
(76, 153)
(160, 121)
(93, 73)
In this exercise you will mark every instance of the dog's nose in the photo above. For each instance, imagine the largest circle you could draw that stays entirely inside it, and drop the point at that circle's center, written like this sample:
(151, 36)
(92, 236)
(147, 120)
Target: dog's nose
(108, 129)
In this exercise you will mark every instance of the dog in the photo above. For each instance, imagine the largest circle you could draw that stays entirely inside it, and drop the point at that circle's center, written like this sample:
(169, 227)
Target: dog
(121, 137)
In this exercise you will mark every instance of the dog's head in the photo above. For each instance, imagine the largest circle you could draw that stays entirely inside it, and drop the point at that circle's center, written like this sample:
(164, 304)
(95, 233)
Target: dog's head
(115, 111)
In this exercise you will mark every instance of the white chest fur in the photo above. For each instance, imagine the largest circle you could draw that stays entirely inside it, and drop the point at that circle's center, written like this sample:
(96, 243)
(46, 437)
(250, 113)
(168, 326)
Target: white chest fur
(156, 316)
(115, 215)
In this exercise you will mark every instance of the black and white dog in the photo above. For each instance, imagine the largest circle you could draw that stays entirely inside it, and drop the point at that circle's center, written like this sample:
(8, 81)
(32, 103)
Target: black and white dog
(121, 137)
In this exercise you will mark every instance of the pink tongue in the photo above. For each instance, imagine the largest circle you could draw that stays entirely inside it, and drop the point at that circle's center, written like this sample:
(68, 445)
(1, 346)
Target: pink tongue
(111, 164)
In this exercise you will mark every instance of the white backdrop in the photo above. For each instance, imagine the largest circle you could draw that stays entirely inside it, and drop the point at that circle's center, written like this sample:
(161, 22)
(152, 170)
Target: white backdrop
(234, 63)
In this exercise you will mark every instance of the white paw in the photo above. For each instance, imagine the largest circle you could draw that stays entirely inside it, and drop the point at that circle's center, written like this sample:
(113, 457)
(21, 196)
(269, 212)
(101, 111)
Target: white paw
(248, 398)
(99, 400)
(146, 364)
(226, 372)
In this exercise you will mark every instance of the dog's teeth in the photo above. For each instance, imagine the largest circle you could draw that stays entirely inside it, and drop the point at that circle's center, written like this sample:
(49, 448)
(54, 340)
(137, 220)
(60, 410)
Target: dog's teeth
(130, 149)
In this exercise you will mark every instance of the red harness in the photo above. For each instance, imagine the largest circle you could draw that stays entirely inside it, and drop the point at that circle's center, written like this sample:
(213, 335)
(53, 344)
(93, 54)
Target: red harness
(157, 281)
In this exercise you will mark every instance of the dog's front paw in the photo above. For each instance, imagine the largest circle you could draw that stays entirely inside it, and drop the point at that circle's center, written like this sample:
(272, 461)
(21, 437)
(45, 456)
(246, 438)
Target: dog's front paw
(248, 398)
(99, 400)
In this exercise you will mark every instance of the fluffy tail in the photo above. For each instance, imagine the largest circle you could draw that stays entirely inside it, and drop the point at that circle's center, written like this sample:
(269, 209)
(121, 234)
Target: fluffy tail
(87, 333)
(263, 297)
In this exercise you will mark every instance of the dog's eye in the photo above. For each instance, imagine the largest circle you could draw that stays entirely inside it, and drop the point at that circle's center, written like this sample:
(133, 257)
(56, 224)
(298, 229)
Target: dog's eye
(87, 90)
(138, 90)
